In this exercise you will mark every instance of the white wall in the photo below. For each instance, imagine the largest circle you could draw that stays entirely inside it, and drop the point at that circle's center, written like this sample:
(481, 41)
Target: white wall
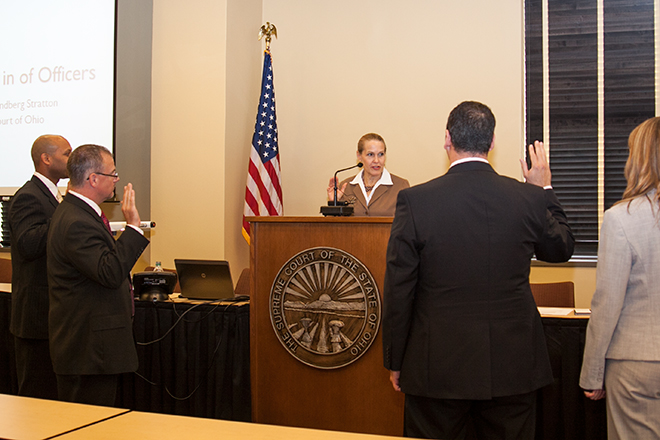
(341, 69)
(188, 126)
(345, 68)
(244, 65)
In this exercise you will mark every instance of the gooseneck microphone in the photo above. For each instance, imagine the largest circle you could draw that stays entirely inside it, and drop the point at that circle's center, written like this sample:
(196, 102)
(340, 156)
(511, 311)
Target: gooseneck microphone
(337, 203)
(335, 207)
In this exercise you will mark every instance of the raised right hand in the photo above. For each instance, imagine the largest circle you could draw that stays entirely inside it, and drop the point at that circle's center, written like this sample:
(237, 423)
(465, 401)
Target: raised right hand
(539, 174)
(128, 207)
(331, 189)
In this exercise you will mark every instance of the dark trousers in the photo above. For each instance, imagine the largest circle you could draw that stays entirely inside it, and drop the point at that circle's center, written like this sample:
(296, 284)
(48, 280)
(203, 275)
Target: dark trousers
(92, 389)
(34, 369)
(508, 417)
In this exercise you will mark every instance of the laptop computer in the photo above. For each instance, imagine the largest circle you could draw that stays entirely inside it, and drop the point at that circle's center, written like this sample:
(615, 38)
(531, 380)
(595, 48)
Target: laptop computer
(204, 279)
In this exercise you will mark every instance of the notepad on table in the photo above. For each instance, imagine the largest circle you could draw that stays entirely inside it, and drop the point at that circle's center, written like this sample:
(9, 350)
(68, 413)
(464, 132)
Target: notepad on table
(555, 311)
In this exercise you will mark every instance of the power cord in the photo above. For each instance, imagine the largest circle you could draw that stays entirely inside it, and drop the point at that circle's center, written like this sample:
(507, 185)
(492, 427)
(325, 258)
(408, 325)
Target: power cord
(180, 318)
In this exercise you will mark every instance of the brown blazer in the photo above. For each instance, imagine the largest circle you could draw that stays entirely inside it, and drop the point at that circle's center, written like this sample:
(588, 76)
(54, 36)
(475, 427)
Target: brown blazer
(383, 201)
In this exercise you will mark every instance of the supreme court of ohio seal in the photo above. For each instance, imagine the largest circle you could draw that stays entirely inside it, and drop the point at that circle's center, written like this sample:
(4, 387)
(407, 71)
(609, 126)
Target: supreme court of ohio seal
(325, 307)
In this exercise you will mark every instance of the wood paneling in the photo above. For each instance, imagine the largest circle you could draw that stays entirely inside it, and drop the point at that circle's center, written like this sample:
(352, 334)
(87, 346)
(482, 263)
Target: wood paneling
(357, 397)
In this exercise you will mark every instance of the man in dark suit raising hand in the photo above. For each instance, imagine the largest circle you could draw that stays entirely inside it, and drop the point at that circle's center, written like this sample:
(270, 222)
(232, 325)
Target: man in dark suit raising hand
(462, 336)
(91, 303)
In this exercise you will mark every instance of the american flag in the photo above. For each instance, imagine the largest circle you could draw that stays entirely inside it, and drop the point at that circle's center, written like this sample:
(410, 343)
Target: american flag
(263, 192)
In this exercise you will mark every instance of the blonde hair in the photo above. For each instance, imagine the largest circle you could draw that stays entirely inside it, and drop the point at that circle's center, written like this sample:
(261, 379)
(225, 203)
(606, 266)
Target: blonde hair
(370, 137)
(642, 169)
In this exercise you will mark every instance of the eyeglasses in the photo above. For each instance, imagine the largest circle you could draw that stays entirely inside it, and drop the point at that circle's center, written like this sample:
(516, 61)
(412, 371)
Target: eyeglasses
(114, 175)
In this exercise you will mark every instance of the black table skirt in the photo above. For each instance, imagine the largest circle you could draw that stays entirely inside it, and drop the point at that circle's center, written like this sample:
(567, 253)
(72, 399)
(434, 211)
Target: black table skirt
(564, 412)
(201, 367)
(8, 380)
(204, 363)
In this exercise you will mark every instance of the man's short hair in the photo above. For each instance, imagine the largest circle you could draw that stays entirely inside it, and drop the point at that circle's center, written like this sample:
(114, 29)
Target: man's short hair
(471, 126)
(83, 161)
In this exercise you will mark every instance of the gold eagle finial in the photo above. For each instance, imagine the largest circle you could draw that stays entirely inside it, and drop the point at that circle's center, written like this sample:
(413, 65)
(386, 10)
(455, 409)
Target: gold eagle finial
(267, 30)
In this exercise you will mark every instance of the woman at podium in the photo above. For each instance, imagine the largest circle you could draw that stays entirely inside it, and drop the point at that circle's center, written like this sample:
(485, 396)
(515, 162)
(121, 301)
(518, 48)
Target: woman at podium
(373, 191)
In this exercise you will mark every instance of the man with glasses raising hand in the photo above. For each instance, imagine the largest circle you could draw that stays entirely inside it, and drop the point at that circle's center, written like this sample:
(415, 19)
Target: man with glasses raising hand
(91, 303)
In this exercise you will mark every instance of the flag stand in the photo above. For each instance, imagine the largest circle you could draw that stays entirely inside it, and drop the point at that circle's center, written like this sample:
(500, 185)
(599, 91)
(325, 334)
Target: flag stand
(263, 190)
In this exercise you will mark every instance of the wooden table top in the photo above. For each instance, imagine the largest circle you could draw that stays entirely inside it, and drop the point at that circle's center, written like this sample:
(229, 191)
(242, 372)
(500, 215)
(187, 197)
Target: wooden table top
(563, 312)
(152, 426)
(26, 418)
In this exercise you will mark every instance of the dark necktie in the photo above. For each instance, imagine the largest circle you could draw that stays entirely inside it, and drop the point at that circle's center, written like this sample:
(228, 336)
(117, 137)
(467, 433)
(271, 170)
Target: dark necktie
(106, 222)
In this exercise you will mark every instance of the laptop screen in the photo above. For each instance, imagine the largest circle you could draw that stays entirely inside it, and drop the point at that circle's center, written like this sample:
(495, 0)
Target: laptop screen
(204, 279)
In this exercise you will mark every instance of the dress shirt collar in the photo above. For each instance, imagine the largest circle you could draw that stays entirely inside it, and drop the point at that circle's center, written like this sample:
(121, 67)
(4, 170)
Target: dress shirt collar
(468, 159)
(98, 210)
(50, 185)
(89, 201)
(385, 179)
(480, 159)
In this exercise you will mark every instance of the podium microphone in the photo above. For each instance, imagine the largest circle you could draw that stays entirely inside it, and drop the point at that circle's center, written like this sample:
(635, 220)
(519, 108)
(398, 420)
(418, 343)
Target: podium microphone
(335, 207)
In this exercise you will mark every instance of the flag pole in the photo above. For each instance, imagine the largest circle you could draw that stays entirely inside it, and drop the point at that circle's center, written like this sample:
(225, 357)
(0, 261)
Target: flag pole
(263, 190)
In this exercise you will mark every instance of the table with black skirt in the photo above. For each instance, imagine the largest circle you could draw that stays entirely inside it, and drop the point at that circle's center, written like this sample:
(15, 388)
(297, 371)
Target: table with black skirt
(194, 359)
(563, 411)
(201, 367)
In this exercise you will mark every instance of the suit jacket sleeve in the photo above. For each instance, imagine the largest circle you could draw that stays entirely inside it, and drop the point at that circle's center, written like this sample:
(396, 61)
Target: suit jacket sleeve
(400, 281)
(90, 253)
(29, 224)
(615, 260)
(29, 220)
(557, 243)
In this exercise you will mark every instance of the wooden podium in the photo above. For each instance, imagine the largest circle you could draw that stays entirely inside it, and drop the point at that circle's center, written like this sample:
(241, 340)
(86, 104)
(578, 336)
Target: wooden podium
(357, 397)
